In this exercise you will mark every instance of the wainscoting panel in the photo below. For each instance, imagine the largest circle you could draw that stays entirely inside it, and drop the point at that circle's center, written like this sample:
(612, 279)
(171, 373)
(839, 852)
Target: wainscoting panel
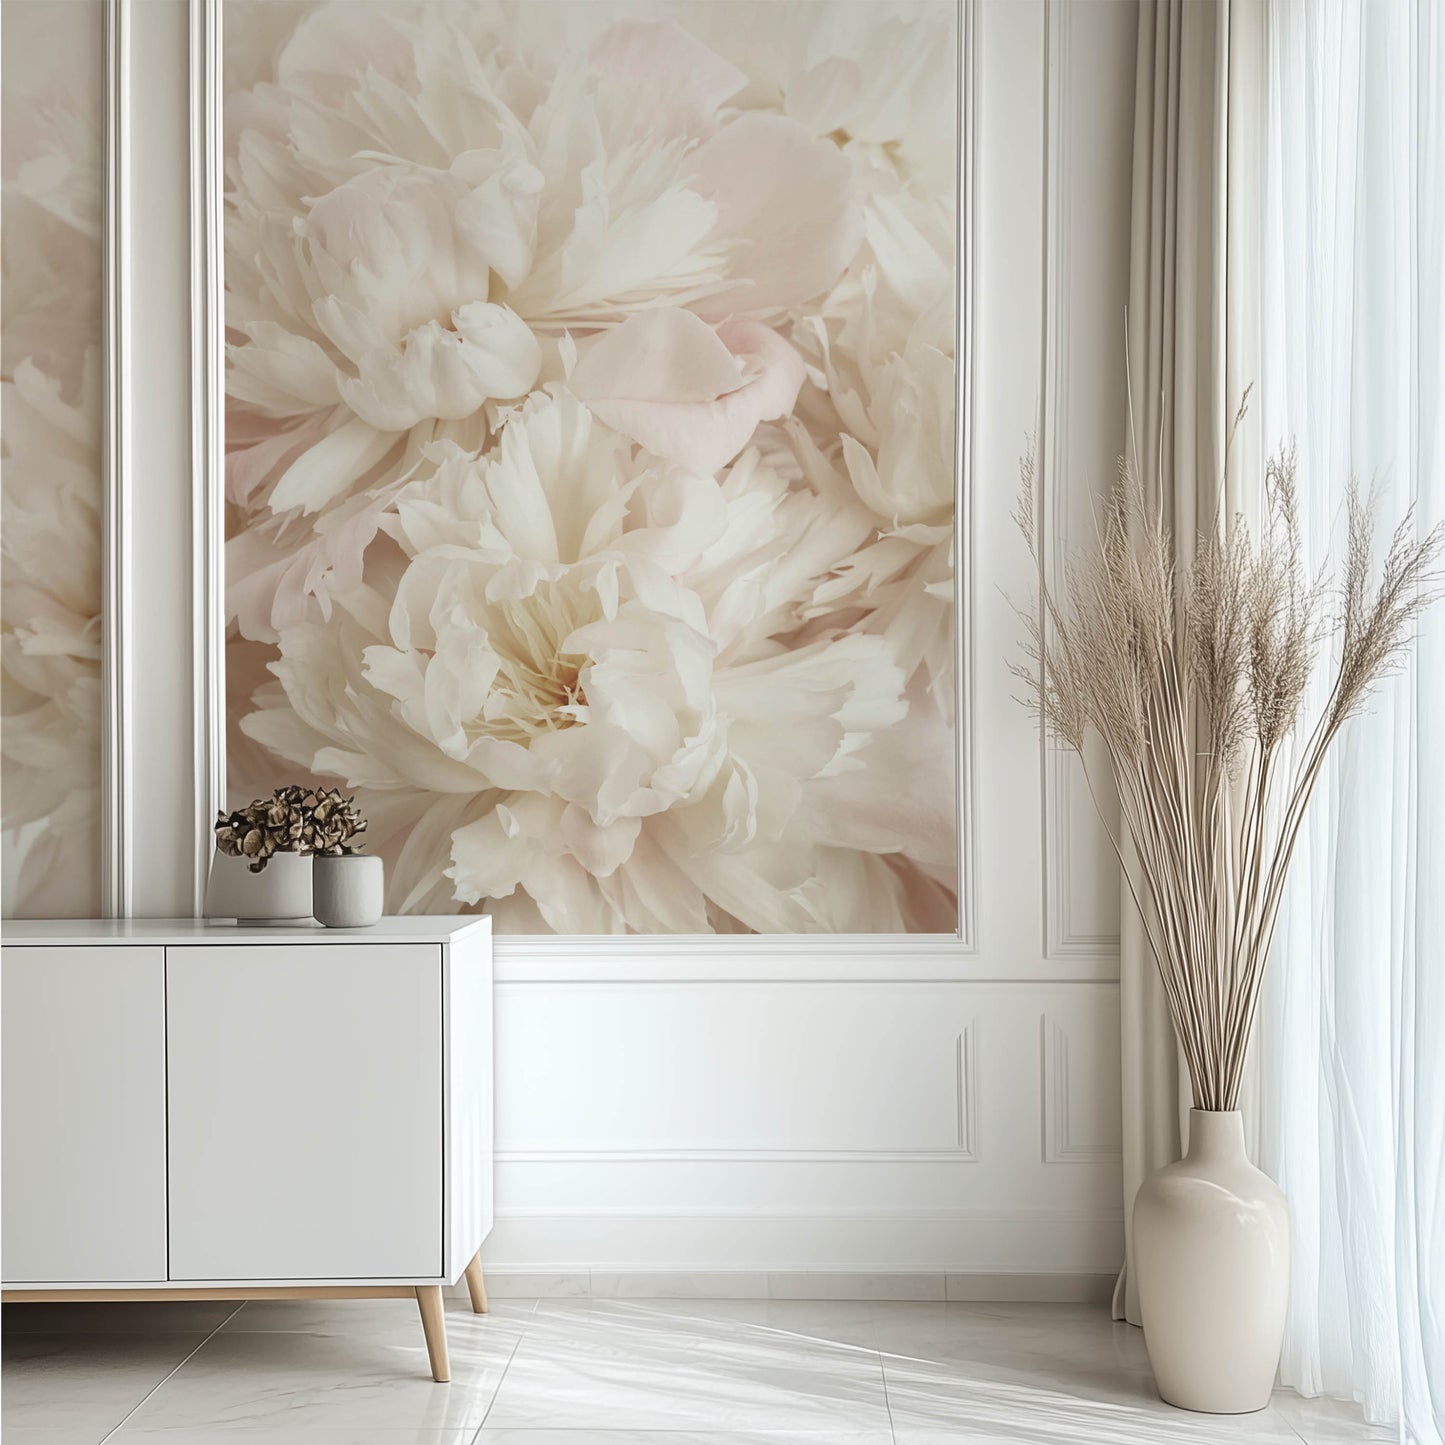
(1079, 1067)
(769, 1072)
(810, 1125)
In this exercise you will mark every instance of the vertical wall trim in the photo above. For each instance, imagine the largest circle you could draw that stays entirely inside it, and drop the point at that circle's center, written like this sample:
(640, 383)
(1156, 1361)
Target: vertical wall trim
(1059, 1145)
(1060, 774)
(966, 1065)
(207, 437)
(964, 609)
(1053, 381)
(116, 621)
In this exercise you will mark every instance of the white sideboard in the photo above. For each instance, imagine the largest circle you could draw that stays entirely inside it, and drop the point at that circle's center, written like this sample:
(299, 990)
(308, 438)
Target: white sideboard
(200, 1110)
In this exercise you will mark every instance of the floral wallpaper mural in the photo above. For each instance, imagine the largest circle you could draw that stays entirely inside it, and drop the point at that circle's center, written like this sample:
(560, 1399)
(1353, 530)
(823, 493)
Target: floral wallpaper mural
(51, 198)
(590, 451)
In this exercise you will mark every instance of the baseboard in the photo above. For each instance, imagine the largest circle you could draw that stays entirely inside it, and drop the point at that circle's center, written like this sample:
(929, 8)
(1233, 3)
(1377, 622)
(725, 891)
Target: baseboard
(1042, 1287)
(1052, 1287)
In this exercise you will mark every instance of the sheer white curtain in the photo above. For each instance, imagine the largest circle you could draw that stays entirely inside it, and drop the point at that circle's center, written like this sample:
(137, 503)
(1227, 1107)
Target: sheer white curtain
(1352, 1046)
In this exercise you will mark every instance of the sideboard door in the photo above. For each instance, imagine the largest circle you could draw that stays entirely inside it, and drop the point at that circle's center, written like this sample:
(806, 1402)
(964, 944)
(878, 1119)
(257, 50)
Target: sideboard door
(82, 1054)
(305, 1097)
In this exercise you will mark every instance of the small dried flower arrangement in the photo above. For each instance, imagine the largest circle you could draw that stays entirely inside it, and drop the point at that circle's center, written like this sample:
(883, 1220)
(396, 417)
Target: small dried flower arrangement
(292, 820)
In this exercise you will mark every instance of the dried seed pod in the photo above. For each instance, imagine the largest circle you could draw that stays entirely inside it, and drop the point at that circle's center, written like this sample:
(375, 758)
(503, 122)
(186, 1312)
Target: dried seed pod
(292, 820)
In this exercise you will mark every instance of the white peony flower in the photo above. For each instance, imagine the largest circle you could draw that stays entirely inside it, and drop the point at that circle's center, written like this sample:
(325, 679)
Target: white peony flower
(420, 214)
(569, 666)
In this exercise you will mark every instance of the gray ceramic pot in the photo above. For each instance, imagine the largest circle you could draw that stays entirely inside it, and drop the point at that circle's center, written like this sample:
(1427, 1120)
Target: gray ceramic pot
(348, 889)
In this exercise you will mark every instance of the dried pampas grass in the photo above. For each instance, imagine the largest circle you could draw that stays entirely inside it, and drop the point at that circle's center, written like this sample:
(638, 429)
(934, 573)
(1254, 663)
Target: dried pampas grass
(1196, 681)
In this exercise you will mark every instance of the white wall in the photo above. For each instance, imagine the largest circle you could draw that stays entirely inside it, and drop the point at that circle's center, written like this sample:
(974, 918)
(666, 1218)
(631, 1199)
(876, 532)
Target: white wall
(930, 1109)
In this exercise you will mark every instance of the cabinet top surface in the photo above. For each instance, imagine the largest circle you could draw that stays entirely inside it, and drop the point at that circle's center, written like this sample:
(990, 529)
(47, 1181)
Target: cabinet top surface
(78, 931)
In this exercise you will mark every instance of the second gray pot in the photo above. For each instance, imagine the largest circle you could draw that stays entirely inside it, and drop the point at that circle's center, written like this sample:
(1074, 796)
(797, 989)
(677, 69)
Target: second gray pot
(348, 890)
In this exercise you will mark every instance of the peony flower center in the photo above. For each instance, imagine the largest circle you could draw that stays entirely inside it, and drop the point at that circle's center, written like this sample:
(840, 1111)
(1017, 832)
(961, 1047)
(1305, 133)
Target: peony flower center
(538, 688)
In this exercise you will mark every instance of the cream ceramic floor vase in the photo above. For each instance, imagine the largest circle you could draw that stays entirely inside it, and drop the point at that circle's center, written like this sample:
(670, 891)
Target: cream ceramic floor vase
(1211, 1245)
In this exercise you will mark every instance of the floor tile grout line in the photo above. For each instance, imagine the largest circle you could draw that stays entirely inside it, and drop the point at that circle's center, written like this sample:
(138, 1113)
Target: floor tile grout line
(516, 1345)
(887, 1403)
(171, 1372)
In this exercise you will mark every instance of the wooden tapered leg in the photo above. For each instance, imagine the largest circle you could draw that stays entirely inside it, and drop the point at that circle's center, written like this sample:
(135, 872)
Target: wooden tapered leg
(434, 1326)
(475, 1285)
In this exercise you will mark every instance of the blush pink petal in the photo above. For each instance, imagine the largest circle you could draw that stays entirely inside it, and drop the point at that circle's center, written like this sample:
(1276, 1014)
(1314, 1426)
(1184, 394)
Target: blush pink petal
(788, 205)
(678, 82)
(657, 355)
(685, 391)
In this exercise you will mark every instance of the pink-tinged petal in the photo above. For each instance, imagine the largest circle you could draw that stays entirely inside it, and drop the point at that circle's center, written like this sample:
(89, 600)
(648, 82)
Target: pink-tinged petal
(662, 355)
(684, 391)
(678, 82)
(787, 204)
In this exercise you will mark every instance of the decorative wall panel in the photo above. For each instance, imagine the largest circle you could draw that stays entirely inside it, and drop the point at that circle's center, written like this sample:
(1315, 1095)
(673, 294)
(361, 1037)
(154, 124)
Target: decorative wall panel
(591, 465)
(51, 217)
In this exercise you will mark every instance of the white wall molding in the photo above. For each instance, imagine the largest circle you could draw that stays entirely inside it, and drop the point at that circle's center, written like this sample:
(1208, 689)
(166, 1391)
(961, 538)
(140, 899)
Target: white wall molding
(117, 622)
(966, 1100)
(1069, 487)
(1060, 1144)
(1023, 1286)
(208, 620)
(819, 1214)
(642, 1153)
(1069, 935)
(802, 1242)
(153, 572)
(965, 371)
(762, 958)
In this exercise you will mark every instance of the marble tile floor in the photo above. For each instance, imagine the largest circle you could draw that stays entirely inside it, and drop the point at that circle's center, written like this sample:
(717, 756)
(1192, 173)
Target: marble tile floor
(607, 1372)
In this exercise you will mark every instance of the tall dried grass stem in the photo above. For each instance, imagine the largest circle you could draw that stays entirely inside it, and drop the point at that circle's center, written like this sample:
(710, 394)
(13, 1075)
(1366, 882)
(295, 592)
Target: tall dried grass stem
(1197, 681)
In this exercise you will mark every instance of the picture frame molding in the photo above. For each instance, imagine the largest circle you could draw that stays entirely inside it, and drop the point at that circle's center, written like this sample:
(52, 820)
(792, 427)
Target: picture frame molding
(610, 957)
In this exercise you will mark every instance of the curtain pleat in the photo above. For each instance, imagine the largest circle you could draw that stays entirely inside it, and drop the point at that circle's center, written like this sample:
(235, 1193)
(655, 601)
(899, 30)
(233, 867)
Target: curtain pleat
(1193, 125)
